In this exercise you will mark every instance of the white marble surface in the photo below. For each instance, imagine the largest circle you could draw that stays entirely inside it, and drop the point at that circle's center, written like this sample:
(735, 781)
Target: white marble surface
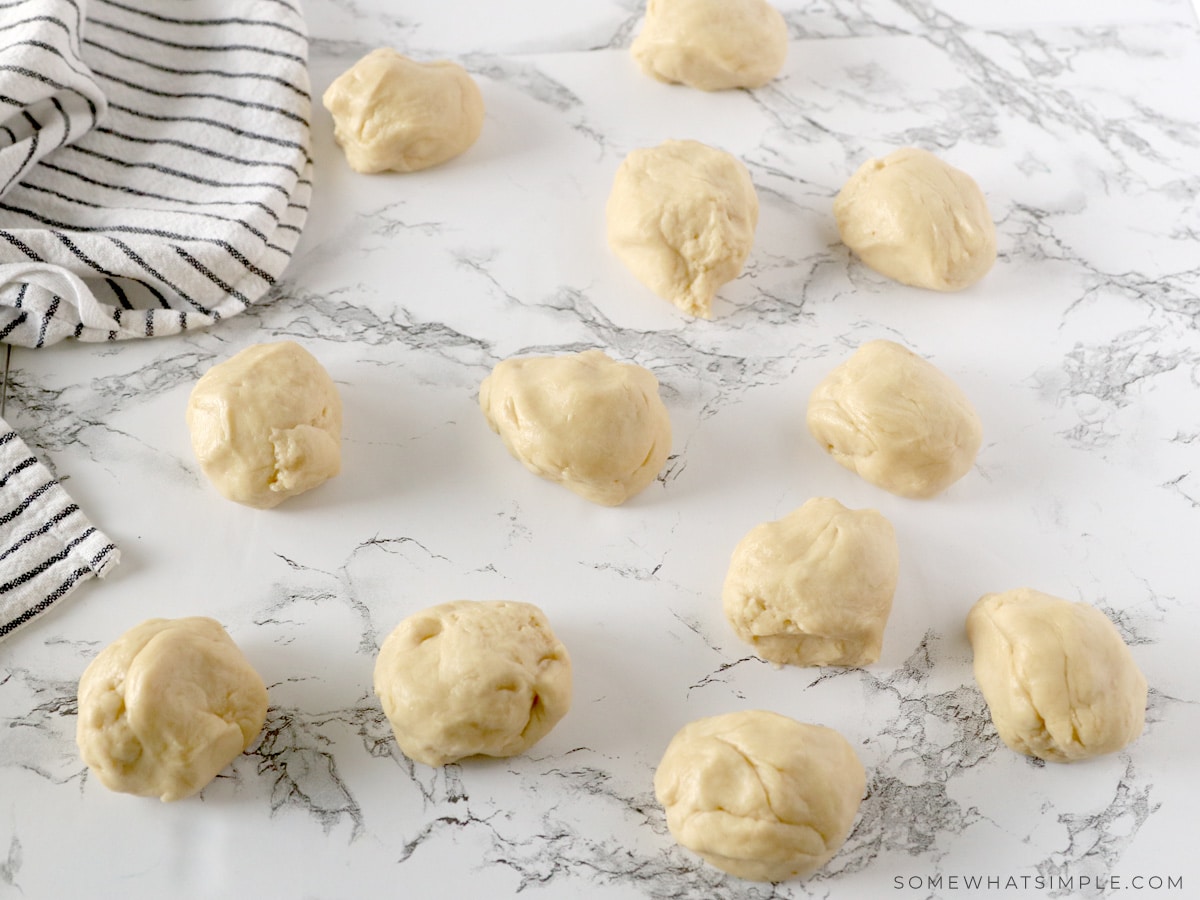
(1081, 351)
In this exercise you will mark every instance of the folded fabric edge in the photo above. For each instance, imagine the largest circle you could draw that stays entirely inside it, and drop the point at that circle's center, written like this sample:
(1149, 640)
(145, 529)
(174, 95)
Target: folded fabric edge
(42, 303)
(48, 547)
(77, 577)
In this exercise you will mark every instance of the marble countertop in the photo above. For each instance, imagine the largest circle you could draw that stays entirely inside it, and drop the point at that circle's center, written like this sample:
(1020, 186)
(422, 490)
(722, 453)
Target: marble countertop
(1081, 351)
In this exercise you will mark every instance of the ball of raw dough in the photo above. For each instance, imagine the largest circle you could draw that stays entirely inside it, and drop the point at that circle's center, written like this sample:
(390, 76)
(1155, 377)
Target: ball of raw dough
(712, 44)
(682, 216)
(896, 420)
(914, 218)
(759, 795)
(595, 426)
(393, 113)
(167, 706)
(1059, 681)
(472, 678)
(266, 424)
(815, 587)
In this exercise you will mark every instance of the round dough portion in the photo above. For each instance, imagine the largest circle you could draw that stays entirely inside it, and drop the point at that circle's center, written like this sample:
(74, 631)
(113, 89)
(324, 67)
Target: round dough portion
(595, 426)
(682, 216)
(1059, 681)
(814, 588)
(918, 220)
(712, 44)
(393, 113)
(472, 678)
(897, 420)
(167, 706)
(759, 795)
(266, 424)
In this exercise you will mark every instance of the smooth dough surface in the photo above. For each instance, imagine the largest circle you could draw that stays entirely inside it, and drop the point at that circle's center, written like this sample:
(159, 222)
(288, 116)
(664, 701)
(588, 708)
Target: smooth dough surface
(682, 216)
(595, 426)
(167, 706)
(759, 795)
(897, 420)
(472, 678)
(1059, 680)
(918, 220)
(393, 113)
(814, 588)
(712, 44)
(266, 424)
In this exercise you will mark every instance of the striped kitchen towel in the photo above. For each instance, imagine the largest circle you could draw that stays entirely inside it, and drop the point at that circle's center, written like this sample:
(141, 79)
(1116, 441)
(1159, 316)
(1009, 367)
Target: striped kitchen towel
(47, 545)
(155, 171)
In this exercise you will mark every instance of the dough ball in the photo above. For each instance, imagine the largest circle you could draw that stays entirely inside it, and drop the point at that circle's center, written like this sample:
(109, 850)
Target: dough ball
(471, 677)
(167, 706)
(759, 795)
(1059, 681)
(266, 424)
(595, 426)
(914, 218)
(682, 216)
(712, 44)
(391, 112)
(814, 588)
(896, 420)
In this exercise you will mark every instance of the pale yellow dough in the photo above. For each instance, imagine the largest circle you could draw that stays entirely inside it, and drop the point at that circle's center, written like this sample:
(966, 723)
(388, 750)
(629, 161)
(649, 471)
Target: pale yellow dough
(595, 426)
(167, 706)
(815, 587)
(712, 44)
(472, 678)
(682, 216)
(266, 424)
(897, 420)
(759, 795)
(393, 113)
(918, 220)
(1059, 681)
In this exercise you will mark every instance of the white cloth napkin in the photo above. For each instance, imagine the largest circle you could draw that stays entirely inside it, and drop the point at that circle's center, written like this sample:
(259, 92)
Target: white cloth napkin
(154, 163)
(154, 177)
(48, 545)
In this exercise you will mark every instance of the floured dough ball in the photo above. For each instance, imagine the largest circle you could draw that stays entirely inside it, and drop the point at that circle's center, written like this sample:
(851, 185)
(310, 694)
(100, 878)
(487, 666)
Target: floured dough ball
(595, 426)
(759, 795)
(266, 424)
(470, 678)
(712, 44)
(167, 706)
(896, 420)
(918, 220)
(815, 587)
(682, 216)
(393, 113)
(1059, 681)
